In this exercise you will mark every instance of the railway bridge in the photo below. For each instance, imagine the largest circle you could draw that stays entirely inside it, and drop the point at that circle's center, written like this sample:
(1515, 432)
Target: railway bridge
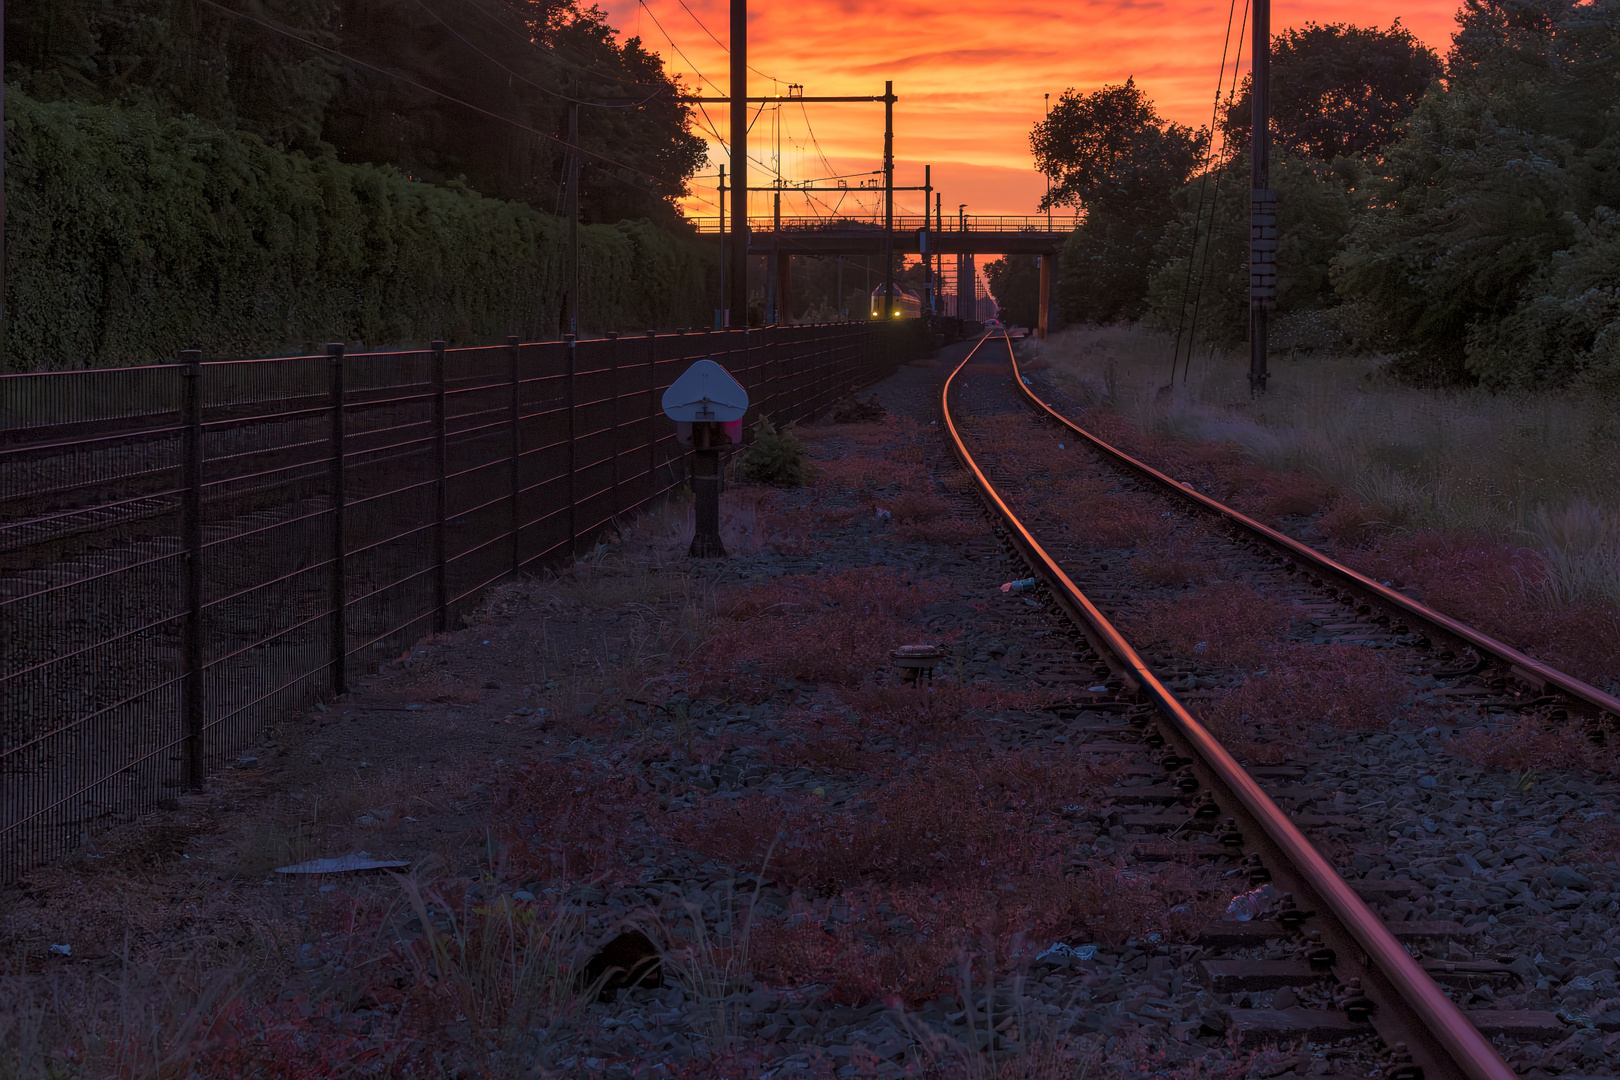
(932, 238)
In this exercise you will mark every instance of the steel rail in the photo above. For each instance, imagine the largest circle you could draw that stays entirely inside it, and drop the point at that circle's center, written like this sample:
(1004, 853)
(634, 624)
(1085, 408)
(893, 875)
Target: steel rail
(1465, 1051)
(1527, 665)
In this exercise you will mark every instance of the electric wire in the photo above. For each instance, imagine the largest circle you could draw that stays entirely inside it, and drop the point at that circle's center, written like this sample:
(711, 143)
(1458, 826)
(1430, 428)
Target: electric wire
(448, 97)
(1203, 181)
(722, 44)
(543, 89)
(676, 47)
(1214, 212)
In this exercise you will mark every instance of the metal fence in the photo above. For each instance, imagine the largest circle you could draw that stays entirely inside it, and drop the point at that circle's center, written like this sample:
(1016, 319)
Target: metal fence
(189, 551)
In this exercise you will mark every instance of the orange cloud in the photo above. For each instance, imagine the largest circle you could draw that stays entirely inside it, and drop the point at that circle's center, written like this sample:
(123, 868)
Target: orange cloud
(969, 79)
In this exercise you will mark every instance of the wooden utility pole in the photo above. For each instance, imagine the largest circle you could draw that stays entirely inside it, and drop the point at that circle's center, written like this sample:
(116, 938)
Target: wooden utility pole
(739, 162)
(1262, 203)
(888, 200)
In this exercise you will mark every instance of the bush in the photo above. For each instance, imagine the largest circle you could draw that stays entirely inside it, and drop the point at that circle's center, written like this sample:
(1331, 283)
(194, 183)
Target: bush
(134, 236)
(776, 457)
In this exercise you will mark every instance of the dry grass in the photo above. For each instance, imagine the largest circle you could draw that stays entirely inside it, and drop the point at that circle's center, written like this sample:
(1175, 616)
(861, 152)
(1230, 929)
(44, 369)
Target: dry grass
(1535, 744)
(1345, 686)
(1526, 482)
(1227, 622)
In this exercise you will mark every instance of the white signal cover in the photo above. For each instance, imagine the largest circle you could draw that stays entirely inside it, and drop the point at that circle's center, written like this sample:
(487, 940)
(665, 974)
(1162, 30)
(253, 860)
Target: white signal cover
(706, 392)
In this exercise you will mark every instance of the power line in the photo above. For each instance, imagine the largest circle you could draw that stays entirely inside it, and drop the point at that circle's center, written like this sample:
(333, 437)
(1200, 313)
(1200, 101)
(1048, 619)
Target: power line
(439, 93)
(531, 82)
(1203, 184)
(676, 47)
(555, 54)
(717, 41)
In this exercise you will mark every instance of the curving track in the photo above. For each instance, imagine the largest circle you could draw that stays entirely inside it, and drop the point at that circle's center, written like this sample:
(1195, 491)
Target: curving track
(1410, 1007)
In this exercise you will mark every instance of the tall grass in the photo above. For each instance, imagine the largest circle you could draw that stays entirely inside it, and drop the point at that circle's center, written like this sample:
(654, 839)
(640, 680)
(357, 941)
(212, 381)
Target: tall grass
(1541, 470)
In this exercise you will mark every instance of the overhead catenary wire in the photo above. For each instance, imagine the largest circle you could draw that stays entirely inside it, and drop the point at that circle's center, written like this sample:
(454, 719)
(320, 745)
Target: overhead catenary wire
(677, 48)
(1203, 182)
(1214, 213)
(441, 94)
(543, 89)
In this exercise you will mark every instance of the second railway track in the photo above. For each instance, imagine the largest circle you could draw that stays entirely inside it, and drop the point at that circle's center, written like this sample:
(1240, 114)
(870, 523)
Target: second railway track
(1449, 908)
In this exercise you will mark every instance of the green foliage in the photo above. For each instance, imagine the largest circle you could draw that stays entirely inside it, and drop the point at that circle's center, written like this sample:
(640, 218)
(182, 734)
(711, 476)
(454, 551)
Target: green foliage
(1313, 216)
(1567, 331)
(1339, 90)
(1471, 239)
(1110, 154)
(139, 234)
(516, 60)
(776, 457)
(1015, 282)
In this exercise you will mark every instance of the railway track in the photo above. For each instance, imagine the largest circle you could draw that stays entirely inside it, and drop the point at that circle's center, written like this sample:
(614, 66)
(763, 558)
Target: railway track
(1337, 949)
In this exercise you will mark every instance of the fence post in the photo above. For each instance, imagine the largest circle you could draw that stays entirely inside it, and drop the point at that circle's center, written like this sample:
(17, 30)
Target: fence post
(441, 586)
(652, 412)
(573, 433)
(191, 526)
(613, 420)
(516, 448)
(339, 582)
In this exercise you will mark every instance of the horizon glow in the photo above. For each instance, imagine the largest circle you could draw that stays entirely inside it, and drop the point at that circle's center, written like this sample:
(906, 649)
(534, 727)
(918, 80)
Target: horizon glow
(969, 81)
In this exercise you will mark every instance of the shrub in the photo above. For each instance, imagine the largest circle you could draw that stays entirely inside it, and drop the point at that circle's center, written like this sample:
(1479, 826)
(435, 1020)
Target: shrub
(776, 457)
(141, 235)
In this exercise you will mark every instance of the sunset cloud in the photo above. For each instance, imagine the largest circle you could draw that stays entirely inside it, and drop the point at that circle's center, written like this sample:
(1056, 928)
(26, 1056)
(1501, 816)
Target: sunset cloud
(969, 78)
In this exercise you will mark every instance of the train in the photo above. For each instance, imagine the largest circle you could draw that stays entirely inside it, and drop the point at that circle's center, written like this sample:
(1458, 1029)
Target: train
(906, 304)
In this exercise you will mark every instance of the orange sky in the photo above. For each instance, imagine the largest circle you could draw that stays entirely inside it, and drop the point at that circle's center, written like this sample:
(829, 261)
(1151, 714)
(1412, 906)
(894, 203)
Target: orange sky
(969, 78)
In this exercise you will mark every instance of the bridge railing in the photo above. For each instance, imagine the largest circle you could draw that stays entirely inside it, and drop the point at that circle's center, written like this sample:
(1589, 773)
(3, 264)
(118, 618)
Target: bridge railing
(190, 551)
(1013, 223)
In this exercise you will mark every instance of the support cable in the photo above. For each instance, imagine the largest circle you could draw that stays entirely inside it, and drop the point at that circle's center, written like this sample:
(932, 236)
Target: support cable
(1203, 181)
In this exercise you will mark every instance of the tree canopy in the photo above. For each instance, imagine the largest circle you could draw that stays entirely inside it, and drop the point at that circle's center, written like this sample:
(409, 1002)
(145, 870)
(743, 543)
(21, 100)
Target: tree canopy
(1339, 90)
(510, 63)
(1110, 154)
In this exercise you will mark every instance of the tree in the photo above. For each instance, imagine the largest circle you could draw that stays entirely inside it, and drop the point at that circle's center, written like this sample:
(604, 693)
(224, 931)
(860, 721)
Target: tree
(1339, 90)
(1110, 154)
(515, 62)
(1486, 227)
(1111, 151)
(1015, 282)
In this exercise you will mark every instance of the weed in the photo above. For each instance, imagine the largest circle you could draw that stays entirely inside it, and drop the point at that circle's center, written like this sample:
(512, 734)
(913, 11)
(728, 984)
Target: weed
(1227, 621)
(1343, 685)
(776, 456)
(1533, 744)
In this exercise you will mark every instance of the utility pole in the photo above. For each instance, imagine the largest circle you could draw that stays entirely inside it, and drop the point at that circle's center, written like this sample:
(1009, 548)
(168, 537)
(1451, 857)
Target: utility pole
(773, 286)
(1048, 98)
(838, 304)
(1262, 203)
(3, 322)
(888, 199)
(939, 229)
(573, 218)
(720, 310)
(739, 162)
(927, 244)
(962, 311)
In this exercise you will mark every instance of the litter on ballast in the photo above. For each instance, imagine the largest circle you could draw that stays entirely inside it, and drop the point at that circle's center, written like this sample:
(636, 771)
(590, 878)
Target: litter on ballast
(62, 950)
(343, 864)
(1023, 585)
(1060, 948)
(1246, 906)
